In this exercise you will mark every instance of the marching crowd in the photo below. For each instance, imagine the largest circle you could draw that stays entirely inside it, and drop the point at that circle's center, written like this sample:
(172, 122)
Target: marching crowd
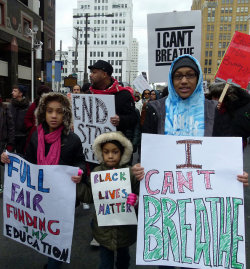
(42, 133)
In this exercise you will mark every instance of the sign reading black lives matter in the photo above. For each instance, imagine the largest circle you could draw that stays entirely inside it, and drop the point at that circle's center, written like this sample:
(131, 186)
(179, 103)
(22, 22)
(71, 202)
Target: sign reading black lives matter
(91, 116)
(169, 36)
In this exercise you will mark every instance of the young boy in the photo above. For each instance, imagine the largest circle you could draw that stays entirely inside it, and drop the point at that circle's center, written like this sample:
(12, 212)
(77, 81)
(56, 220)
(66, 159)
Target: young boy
(113, 150)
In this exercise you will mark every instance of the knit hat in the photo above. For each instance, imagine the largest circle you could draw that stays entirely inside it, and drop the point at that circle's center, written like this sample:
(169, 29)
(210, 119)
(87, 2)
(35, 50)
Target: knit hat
(185, 62)
(22, 89)
(103, 65)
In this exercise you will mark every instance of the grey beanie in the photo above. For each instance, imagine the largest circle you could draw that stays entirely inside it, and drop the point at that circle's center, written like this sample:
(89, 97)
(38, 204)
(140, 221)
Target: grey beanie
(185, 62)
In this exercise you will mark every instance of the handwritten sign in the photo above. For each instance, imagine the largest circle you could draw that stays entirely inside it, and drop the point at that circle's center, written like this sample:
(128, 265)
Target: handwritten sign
(91, 115)
(39, 206)
(171, 35)
(191, 206)
(235, 64)
(110, 191)
(141, 84)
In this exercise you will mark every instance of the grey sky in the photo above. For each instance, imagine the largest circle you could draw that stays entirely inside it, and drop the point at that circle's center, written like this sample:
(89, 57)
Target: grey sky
(64, 21)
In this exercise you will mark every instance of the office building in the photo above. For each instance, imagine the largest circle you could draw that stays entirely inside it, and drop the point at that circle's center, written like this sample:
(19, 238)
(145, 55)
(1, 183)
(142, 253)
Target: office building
(220, 19)
(18, 18)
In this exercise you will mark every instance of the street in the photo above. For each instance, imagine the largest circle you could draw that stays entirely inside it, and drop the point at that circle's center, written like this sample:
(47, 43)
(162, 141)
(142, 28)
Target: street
(17, 256)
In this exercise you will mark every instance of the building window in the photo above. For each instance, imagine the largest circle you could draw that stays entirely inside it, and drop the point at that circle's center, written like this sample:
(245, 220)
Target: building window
(49, 43)
(1, 14)
(26, 24)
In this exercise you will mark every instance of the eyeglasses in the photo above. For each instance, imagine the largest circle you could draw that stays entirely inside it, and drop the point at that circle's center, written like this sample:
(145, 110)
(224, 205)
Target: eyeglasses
(146, 93)
(152, 93)
(187, 76)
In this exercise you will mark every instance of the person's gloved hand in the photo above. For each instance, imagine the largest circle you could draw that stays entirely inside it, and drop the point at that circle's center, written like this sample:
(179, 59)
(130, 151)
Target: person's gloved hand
(132, 199)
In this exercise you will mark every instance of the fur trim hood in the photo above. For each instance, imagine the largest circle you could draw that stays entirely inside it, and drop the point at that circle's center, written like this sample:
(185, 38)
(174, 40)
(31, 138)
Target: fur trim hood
(118, 136)
(40, 112)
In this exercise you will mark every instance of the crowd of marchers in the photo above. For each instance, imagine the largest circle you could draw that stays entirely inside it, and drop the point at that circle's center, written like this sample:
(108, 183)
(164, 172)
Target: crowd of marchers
(41, 132)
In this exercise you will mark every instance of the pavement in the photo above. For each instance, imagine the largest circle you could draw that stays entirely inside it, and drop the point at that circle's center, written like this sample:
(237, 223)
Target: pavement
(14, 255)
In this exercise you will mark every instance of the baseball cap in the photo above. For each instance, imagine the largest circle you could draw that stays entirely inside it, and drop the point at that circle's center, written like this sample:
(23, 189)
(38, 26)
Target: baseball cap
(102, 65)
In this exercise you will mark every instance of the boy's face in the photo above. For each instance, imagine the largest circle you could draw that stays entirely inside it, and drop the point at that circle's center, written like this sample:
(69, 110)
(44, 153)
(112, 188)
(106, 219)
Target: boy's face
(54, 115)
(111, 154)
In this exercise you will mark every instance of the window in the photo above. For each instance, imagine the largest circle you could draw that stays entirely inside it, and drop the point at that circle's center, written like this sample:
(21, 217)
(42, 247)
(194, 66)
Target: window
(49, 43)
(210, 53)
(1, 14)
(26, 24)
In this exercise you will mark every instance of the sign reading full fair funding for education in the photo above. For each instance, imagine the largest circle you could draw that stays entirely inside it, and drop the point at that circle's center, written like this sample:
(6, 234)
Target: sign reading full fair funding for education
(169, 36)
(110, 191)
(191, 205)
(91, 115)
(39, 206)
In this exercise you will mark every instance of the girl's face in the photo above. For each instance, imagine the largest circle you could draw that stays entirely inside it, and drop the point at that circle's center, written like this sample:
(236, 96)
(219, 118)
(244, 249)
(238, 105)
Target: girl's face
(54, 115)
(111, 154)
(153, 95)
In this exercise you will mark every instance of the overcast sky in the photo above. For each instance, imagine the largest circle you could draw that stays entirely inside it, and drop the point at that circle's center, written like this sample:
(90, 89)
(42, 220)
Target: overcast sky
(64, 21)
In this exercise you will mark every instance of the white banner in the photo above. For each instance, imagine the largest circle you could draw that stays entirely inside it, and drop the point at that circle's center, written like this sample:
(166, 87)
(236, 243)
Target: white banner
(169, 36)
(191, 206)
(39, 206)
(110, 191)
(141, 84)
(91, 115)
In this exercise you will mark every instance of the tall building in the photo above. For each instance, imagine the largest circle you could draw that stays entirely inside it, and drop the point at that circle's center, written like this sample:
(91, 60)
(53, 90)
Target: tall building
(220, 19)
(16, 18)
(109, 36)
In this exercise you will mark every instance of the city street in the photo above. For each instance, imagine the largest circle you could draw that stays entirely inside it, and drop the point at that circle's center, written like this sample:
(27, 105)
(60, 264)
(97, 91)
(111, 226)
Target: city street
(17, 256)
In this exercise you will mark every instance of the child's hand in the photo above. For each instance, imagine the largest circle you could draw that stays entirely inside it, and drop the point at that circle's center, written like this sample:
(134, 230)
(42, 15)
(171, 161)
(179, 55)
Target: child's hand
(243, 178)
(132, 199)
(77, 178)
(138, 171)
(5, 158)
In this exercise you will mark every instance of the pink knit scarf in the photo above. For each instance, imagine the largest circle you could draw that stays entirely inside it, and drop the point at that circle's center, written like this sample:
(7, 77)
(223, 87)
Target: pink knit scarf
(53, 138)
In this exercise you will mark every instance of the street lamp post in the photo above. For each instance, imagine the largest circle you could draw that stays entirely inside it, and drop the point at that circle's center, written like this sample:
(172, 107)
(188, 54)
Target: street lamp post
(87, 16)
(32, 33)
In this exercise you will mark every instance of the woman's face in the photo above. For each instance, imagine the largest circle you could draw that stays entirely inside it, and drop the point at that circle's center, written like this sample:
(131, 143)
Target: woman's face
(185, 81)
(152, 95)
(54, 115)
(146, 94)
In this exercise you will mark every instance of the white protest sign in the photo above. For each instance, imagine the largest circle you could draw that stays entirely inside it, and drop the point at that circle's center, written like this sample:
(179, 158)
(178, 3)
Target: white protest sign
(191, 205)
(39, 206)
(141, 84)
(110, 190)
(91, 116)
(169, 36)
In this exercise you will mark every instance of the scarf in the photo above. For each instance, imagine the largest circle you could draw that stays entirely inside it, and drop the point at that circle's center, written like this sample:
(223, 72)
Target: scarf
(185, 117)
(114, 88)
(53, 138)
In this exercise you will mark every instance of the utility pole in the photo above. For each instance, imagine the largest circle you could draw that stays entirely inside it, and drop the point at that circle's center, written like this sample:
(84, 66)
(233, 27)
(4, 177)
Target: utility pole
(60, 50)
(76, 47)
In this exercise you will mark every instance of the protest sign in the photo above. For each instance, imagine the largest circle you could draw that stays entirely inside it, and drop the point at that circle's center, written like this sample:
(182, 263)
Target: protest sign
(191, 211)
(169, 36)
(91, 115)
(141, 84)
(235, 64)
(39, 206)
(110, 191)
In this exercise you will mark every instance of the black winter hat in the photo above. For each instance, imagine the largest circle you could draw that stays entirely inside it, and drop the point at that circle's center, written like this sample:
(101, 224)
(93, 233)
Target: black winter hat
(102, 65)
(22, 89)
(185, 62)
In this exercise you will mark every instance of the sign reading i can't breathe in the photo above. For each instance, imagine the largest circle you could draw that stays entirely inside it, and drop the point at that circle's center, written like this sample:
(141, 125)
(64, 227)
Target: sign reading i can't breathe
(191, 206)
(169, 36)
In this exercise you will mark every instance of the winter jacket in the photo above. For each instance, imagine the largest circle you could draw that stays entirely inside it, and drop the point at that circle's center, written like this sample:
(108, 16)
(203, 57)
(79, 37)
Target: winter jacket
(7, 128)
(124, 107)
(71, 146)
(155, 117)
(18, 110)
(233, 119)
(111, 237)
